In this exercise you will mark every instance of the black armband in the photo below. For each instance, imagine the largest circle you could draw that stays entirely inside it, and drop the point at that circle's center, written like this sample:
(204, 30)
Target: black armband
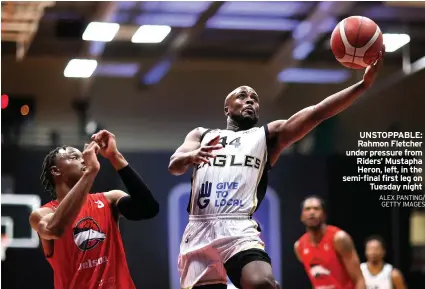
(140, 204)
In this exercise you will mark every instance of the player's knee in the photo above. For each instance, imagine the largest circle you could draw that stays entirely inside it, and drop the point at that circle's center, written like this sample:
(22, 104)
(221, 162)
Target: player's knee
(257, 281)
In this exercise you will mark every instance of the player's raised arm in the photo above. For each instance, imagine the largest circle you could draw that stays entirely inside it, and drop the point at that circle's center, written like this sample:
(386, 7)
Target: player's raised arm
(286, 132)
(191, 152)
(346, 251)
(51, 224)
(139, 203)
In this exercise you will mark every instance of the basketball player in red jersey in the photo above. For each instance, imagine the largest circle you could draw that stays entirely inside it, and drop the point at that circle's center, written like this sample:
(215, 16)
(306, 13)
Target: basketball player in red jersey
(327, 252)
(79, 231)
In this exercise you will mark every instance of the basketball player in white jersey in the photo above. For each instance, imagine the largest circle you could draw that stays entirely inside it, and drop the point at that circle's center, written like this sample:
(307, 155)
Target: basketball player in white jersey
(377, 273)
(229, 182)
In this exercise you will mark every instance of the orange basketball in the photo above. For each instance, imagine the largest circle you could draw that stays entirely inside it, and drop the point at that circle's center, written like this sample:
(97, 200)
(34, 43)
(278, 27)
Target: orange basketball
(356, 42)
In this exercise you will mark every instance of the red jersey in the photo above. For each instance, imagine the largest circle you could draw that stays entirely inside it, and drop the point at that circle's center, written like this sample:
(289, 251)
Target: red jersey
(90, 254)
(322, 262)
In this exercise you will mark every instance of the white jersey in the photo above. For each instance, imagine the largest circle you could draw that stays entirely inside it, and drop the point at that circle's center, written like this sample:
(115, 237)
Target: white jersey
(235, 181)
(382, 280)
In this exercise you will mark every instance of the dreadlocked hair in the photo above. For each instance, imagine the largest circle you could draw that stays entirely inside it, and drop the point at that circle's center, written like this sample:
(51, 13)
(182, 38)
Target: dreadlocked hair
(46, 177)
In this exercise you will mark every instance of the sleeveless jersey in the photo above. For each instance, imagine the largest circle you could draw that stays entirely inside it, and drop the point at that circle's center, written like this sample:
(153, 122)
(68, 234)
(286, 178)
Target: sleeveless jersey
(322, 263)
(235, 181)
(382, 280)
(90, 254)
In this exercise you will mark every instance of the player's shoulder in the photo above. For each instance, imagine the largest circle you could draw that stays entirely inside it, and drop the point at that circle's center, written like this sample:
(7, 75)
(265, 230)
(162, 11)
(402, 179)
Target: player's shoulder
(343, 242)
(395, 273)
(297, 245)
(301, 240)
(340, 236)
(390, 268)
(300, 245)
(365, 270)
(199, 132)
(274, 125)
(333, 229)
(336, 232)
(297, 249)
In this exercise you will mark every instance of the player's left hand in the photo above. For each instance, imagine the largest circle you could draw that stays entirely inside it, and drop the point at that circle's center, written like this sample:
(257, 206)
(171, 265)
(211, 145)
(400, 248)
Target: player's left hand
(107, 143)
(372, 70)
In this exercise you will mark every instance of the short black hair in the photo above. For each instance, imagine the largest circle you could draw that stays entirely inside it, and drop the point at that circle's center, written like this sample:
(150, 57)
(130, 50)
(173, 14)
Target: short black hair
(322, 202)
(376, 238)
(46, 177)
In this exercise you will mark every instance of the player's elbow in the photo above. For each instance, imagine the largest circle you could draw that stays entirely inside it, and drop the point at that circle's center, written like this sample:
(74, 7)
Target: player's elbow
(171, 169)
(149, 212)
(152, 212)
(44, 227)
(179, 163)
(175, 172)
(52, 232)
(174, 168)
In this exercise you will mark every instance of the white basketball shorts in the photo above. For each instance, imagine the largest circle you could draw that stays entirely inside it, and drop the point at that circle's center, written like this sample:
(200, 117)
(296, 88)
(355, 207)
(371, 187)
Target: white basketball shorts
(209, 241)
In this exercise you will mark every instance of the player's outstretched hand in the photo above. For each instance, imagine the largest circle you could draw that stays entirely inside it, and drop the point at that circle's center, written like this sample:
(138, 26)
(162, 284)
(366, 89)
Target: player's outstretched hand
(372, 70)
(107, 142)
(203, 154)
(90, 157)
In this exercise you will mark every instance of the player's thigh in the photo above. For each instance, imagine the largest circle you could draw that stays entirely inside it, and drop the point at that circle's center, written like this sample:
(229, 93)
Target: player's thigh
(250, 269)
(201, 267)
(258, 274)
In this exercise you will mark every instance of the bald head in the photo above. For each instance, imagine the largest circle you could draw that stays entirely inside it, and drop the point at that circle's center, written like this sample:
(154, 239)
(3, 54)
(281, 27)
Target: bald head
(245, 88)
(242, 107)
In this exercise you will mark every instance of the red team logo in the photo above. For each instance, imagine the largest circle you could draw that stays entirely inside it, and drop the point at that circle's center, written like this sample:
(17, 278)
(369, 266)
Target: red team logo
(87, 234)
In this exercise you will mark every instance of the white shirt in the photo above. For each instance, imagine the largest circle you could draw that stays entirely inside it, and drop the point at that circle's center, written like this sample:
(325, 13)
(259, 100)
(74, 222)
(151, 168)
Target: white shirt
(235, 180)
(382, 280)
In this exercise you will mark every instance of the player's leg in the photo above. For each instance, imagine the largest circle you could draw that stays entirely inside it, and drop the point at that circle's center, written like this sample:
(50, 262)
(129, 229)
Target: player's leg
(258, 274)
(202, 270)
(199, 262)
(251, 269)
